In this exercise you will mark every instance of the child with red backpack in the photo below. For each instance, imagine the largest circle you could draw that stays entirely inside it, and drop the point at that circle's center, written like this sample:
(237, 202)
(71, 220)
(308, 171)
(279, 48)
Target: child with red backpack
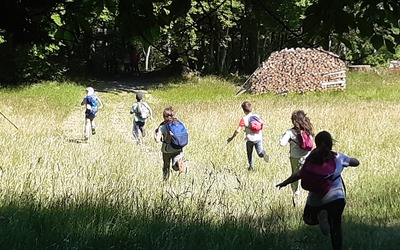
(252, 125)
(321, 176)
(300, 139)
(92, 103)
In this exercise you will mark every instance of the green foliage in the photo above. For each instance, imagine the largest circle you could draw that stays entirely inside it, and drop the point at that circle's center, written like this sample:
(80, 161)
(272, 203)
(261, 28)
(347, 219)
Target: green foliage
(373, 22)
(216, 36)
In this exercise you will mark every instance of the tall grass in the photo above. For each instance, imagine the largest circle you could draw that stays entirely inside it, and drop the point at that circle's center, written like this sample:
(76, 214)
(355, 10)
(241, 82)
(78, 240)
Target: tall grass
(58, 192)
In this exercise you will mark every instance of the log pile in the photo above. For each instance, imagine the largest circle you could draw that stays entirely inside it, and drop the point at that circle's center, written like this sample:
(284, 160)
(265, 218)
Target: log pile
(298, 70)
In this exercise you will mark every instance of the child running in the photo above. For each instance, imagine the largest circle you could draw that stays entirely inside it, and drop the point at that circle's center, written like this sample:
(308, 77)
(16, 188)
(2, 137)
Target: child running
(253, 136)
(141, 111)
(325, 208)
(292, 136)
(169, 153)
(92, 103)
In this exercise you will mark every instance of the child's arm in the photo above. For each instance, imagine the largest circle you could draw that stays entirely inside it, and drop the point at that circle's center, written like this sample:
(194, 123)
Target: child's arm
(237, 131)
(150, 111)
(294, 177)
(354, 162)
(132, 110)
(157, 135)
(100, 102)
(83, 102)
(285, 138)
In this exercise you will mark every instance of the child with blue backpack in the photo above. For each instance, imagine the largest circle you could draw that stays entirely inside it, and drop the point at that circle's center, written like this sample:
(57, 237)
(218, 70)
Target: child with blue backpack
(252, 125)
(92, 103)
(173, 136)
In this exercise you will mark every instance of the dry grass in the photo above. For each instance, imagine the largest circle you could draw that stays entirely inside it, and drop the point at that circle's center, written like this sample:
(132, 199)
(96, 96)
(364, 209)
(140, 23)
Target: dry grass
(109, 192)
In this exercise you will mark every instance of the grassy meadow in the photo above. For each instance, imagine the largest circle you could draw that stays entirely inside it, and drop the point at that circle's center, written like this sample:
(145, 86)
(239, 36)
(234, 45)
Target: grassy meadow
(59, 192)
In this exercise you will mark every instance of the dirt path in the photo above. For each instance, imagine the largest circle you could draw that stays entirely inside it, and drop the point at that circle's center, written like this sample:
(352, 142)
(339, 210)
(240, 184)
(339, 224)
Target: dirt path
(112, 119)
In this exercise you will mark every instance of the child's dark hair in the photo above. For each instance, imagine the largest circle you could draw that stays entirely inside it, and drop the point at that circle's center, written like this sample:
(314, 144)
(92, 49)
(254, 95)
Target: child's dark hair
(246, 106)
(323, 151)
(302, 122)
(168, 114)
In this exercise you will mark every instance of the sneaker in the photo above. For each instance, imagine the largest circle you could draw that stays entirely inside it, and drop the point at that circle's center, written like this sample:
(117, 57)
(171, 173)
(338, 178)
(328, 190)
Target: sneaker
(143, 132)
(175, 167)
(250, 168)
(93, 131)
(323, 222)
(265, 156)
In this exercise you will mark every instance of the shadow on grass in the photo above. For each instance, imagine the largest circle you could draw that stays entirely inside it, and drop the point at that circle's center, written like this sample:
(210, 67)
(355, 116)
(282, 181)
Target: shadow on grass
(84, 226)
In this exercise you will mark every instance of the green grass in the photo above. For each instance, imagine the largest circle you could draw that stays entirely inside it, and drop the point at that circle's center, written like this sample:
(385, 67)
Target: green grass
(59, 193)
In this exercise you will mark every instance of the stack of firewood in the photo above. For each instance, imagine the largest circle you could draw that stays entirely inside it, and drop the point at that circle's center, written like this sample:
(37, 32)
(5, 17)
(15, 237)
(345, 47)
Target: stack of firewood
(298, 70)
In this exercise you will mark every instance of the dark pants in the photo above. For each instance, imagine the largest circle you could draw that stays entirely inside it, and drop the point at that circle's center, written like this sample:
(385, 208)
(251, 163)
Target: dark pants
(335, 210)
(138, 126)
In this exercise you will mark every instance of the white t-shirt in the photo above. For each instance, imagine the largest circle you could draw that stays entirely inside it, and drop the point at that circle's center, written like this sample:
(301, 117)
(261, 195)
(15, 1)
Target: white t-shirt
(290, 136)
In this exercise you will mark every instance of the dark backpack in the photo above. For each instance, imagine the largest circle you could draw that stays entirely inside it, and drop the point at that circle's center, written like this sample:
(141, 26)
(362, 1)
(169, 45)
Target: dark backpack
(178, 133)
(91, 100)
(255, 123)
(318, 178)
(305, 141)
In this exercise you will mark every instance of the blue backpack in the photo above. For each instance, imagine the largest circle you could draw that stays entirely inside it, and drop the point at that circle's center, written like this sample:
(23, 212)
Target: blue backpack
(91, 100)
(179, 134)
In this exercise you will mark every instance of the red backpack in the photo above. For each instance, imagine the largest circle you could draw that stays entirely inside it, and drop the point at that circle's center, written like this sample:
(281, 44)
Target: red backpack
(255, 123)
(305, 141)
(318, 178)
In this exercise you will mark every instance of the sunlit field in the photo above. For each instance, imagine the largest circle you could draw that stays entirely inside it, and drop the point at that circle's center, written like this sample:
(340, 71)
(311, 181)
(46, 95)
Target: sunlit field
(60, 192)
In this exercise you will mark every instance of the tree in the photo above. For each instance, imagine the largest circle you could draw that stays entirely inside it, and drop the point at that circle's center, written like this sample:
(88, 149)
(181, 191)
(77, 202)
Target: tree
(214, 36)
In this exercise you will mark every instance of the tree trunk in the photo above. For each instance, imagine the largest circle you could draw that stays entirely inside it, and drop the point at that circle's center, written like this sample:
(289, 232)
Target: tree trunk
(147, 54)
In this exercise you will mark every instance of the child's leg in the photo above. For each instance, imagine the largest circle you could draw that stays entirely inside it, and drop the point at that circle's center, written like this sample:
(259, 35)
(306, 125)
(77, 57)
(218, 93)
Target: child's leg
(135, 131)
(310, 215)
(249, 150)
(87, 127)
(335, 210)
(294, 163)
(259, 148)
(260, 151)
(141, 128)
(166, 166)
(93, 125)
(178, 161)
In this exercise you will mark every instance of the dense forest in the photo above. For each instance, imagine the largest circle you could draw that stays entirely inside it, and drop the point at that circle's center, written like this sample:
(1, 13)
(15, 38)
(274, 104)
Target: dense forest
(59, 39)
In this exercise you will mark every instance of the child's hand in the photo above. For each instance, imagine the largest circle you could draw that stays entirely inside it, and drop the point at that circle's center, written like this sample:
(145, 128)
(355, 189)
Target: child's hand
(157, 136)
(280, 185)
